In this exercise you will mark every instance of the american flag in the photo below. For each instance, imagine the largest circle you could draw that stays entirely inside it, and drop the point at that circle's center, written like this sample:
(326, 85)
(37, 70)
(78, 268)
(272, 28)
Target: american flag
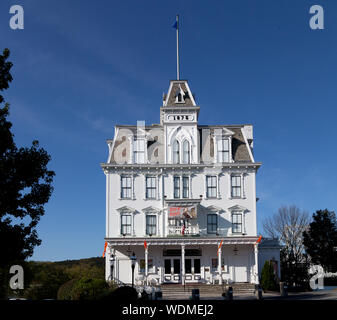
(175, 211)
(183, 228)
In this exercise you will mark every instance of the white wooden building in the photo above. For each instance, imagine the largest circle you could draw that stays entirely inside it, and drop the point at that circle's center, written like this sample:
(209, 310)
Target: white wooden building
(182, 197)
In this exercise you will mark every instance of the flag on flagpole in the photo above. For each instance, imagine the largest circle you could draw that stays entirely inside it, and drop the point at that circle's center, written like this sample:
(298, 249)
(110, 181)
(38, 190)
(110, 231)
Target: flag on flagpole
(175, 25)
(145, 245)
(183, 228)
(105, 245)
(219, 247)
(258, 240)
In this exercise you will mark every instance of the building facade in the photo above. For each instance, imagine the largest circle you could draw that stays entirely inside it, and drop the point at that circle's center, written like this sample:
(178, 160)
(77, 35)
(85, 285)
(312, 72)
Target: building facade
(181, 199)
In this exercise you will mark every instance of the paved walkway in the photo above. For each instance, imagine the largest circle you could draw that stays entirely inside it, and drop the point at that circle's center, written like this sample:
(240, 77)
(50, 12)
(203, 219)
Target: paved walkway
(313, 295)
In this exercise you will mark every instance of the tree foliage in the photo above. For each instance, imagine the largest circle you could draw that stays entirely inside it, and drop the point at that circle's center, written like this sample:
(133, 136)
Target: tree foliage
(320, 240)
(51, 280)
(89, 289)
(288, 224)
(25, 184)
(268, 278)
(65, 290)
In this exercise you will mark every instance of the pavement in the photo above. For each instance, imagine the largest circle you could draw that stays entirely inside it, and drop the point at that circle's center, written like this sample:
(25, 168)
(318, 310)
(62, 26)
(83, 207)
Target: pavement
(313, 295)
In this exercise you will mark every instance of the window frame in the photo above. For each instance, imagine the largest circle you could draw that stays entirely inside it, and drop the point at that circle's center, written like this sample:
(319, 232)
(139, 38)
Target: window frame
(212, 223)
(125, 187)
(240, 224)
(236, 187)
(151, 216)
(185, 189)
(137, 151)
(186, 150)
(150, 268)
(176, 187)
(211, 187)
(176, 152)
(222, 150)
(152, 188)
(126, 225)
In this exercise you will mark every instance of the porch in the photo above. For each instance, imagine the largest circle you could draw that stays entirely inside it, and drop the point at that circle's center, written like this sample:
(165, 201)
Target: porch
(184, 260)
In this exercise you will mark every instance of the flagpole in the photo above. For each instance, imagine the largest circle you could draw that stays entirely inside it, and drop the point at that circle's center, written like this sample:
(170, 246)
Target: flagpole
(177, 19)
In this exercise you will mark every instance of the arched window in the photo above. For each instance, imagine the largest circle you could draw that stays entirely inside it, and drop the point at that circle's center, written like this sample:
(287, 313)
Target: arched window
(176, 153)
(186, 152)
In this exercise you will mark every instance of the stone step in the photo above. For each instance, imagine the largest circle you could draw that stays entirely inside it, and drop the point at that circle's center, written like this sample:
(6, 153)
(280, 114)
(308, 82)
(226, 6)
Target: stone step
(177, 291)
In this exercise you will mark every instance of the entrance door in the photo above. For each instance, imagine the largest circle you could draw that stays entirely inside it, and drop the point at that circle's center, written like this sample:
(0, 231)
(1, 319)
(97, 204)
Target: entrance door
(172, 270)
(240, 266)
(192, 270)
(176, 270)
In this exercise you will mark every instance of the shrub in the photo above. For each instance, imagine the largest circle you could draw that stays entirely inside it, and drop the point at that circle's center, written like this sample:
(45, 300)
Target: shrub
(89, 289)
(268, 280)
(65, 290)
(124, 293)
(40, 292)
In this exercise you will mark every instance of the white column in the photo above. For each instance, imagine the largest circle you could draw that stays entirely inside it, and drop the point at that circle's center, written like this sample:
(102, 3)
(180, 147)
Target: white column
(256, 253)
(146, 264)
(182, 264)
(219, 266)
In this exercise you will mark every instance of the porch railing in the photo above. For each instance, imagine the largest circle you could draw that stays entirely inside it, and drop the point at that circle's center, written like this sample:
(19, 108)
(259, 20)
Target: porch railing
(177, 230)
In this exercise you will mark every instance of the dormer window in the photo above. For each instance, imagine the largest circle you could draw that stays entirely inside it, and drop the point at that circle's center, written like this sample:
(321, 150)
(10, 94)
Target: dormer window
(223, 150)
(179, 98)
(139, 150)
(180, 95)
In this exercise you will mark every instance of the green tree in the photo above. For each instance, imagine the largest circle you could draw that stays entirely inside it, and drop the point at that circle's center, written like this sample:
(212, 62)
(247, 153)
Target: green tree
(89, 289)
(25, 185)
(65, 290)
(320, 240)
(268, 279)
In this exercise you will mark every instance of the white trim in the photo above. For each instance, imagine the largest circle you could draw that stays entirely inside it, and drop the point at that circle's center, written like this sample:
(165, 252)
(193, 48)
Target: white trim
(247, 146)
(151, 209)
(139, 241)
(155, 177)
(151, 213)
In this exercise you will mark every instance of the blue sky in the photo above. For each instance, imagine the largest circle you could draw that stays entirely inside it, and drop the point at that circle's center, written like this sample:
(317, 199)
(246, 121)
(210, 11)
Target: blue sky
(80, 67)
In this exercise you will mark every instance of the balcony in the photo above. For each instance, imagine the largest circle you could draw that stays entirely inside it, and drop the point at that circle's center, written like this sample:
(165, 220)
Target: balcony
(189, 231)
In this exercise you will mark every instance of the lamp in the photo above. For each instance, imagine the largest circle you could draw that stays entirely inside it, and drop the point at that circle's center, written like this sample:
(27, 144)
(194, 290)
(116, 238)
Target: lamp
(112, 264)
(133, 262)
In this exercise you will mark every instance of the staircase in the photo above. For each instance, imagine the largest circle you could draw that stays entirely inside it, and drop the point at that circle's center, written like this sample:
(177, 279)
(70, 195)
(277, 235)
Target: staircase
(208, 291)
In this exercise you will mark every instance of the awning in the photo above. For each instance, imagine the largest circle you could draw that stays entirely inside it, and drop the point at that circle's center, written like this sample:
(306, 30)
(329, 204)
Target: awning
(183, 212)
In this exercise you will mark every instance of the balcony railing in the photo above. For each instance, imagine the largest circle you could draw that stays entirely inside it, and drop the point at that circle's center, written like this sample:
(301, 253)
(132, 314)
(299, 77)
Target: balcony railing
(189, 230)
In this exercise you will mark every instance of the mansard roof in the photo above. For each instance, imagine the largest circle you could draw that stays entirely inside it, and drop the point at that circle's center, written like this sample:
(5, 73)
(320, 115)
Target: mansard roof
(155, 143)
(241, 136)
